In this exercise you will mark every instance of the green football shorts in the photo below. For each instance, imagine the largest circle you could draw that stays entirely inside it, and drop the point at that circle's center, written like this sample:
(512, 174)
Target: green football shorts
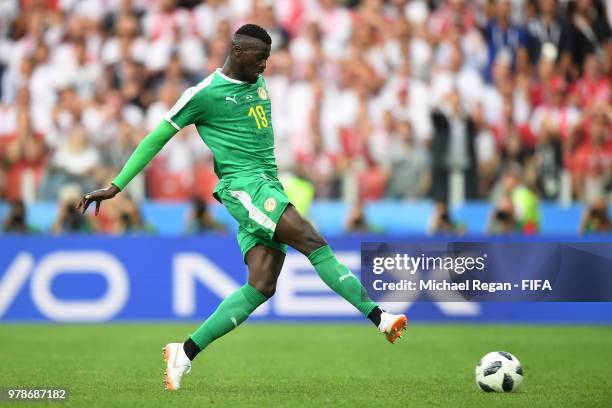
(257, 203)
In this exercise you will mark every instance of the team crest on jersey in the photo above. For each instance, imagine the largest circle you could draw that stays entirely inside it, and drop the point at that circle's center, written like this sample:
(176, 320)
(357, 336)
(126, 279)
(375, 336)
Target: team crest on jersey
(261, 91)
(270, 203)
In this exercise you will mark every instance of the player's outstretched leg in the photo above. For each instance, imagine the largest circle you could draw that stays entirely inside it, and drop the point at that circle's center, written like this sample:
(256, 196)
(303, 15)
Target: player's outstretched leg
(265, 265)
(296, 231)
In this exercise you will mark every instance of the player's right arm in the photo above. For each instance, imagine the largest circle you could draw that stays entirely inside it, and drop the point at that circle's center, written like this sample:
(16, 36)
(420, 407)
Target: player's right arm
(144, 153)
(190, 108)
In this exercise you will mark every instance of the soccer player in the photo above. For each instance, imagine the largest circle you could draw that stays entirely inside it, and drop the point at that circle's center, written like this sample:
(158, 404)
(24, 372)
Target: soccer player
(231, 111)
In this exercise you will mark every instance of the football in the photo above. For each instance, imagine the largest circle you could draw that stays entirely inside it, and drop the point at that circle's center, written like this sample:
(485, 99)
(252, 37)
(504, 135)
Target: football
(499, 371)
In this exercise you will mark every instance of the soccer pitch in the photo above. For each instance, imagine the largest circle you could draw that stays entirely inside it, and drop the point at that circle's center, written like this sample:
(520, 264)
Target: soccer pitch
(289, 365)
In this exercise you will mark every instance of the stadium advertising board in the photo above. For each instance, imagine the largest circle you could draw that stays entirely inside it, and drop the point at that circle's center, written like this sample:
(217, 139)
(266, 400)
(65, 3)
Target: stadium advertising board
(94, 279)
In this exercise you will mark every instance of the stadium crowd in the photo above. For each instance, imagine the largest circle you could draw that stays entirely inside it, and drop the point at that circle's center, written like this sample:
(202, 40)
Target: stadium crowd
(507, 101)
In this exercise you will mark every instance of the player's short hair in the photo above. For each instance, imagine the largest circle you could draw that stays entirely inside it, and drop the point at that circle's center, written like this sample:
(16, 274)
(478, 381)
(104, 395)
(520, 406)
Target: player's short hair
(255, 31)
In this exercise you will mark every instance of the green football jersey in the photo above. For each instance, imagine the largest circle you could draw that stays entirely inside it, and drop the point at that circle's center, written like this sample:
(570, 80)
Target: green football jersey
(234, 119)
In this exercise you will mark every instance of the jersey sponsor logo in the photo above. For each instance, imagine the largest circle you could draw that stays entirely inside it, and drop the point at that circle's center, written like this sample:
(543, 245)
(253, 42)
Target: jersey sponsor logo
(233, 99)
(263, 94)
(270, 204)
(249, 98)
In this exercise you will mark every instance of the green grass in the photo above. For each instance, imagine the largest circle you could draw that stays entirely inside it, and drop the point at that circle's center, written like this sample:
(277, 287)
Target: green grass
(309, 365)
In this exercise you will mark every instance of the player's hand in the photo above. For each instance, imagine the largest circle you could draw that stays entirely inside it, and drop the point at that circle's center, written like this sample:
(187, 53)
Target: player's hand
(97, 196)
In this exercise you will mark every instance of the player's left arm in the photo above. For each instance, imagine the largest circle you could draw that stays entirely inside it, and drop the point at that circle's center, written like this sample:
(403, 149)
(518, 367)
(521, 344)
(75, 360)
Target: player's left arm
(144, 153)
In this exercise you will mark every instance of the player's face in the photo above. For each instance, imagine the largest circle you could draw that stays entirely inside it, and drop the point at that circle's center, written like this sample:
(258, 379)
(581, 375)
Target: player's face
(253, 60)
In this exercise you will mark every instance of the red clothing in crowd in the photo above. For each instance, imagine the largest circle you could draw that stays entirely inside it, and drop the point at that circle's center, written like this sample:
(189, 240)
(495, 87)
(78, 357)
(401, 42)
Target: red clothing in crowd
(593, 161)
(590, 92)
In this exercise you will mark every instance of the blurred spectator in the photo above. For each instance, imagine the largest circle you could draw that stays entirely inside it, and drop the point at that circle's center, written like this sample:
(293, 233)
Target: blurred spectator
(502, 219)
(335, 23)
(511, 135)
(506, 94)
(201, 220)
(84, 74)
(169, 92)
(549, 162)
(17, 77)
(595, 218)
(449, 13)
(46, 79)
(115, 155)
(556, 115)
(525, 203)
(454, 73)
(410, 100)
(130, 220)
(163, 19)
(487, 154)
(69, 219)
(264, 15)
(24, 155)
(300, 192)
(453, 150)
(65, 115)
(592, 161)
(442, 223)
(75, 161)
(322, 169)
(16, 219)
(593, 90)
(179, 45)
(208, 15)
(217, 51)
(543, 26)
(585, 31)
(357, 223)
(513, 152)
(2, 182)
(173, 39)
(134, 95)
(126, 44)
(503, 37)
(540, 85)
(409, 176)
